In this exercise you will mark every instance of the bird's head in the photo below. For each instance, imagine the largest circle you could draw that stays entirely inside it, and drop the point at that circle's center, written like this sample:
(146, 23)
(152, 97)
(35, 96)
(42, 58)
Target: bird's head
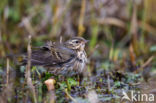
(76, 43)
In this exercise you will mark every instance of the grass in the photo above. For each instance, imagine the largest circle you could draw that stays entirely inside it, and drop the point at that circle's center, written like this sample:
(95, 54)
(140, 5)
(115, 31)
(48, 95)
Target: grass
(121, 50)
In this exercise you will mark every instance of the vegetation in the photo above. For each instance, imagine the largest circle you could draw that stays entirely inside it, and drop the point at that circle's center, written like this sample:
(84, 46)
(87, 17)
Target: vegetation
(121, 51)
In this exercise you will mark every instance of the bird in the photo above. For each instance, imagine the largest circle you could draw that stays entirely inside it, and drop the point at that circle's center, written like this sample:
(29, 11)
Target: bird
(66, 58)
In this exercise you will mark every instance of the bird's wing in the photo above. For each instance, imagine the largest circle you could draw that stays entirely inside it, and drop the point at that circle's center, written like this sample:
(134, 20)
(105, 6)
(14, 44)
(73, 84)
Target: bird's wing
(52, 54)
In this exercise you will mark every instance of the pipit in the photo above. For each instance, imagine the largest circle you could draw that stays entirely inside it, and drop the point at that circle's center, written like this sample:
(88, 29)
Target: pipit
(65, 58)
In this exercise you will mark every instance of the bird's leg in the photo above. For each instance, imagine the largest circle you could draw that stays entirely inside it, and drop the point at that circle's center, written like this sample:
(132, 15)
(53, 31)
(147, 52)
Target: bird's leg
(80, 79)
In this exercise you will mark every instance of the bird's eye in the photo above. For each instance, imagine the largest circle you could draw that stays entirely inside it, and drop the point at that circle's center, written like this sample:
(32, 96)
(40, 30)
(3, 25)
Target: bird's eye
(76, 41)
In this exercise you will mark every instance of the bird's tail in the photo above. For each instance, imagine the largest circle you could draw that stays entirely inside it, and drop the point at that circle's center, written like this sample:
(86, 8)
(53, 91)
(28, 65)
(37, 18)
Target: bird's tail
(17, 59)
(20, 59)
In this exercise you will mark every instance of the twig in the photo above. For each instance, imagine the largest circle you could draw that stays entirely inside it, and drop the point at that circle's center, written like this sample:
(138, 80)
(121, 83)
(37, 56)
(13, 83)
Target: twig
(134, 21)
(93, 50)
(132, 54)
(50, 84)
(29, 57)
(7, 73)
(112, 21)
(66, 91)
(70, 96)
(51, 88)
(28, 74)
(81, 19)
(147, 27)
(60, 39)
(108, 80)
(0, 36)
(147, 62)
(28, 26)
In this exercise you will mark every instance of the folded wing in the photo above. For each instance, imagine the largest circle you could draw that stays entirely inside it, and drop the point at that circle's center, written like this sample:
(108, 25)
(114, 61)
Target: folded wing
(52, 54)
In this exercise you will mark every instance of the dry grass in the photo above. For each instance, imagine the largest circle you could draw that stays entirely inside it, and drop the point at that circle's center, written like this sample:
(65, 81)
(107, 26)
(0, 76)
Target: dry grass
(122, 39)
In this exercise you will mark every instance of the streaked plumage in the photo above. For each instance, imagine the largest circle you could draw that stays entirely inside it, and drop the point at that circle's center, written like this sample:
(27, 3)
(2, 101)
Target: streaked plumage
(61, 58)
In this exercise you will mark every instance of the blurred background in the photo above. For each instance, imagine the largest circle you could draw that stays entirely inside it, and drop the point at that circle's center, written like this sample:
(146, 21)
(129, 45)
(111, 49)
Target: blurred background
(122, 33)
(107, 23)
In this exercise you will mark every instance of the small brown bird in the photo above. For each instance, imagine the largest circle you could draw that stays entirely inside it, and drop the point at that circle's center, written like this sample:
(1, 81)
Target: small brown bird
(65, 58)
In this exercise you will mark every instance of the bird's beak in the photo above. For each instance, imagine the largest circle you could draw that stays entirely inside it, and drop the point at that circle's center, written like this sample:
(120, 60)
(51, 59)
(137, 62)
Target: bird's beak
(86, 41)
